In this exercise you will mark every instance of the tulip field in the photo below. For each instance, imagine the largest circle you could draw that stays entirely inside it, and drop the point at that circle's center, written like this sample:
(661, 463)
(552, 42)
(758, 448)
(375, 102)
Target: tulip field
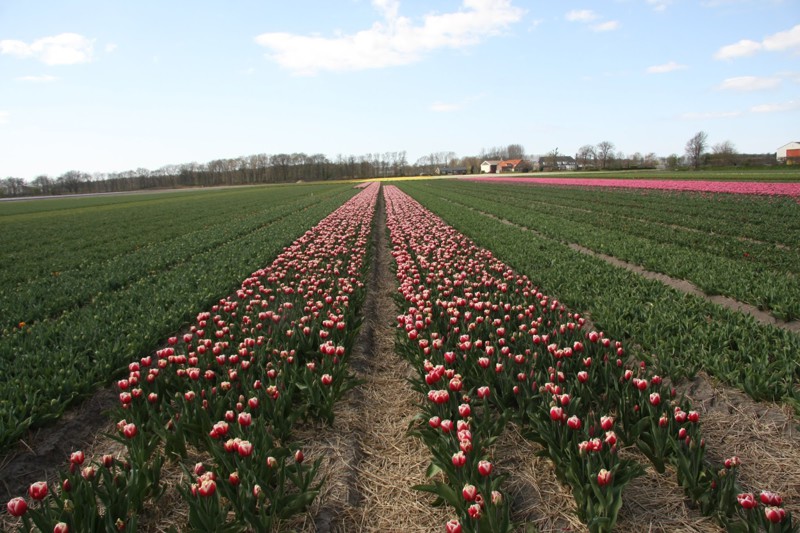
(748, 248)
(225, 321)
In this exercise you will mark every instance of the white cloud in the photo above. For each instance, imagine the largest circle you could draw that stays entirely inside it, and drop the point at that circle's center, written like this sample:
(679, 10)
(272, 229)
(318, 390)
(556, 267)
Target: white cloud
(784, 41)
(110, 47)
(441, 107)
(44, 78)
(670, 66)
(61, 49)
(395, 40)
(581, 15)
(710, 115)
(659, 5)
(3, 117)
(749, 83)
(743, 48)
(446, 107)
(611, 25)
(791, 105)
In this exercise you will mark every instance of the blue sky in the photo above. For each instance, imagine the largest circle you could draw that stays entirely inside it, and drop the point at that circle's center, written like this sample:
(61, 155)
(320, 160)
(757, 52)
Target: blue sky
(109, 85)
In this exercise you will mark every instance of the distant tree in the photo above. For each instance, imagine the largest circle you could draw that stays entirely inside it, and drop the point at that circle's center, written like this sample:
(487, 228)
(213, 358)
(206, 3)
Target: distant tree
(515, 151)
(71, 181)
(724, 153)
(43, 183)
(605, 153)
(552, 158)
(586, 156)
(14, 186)
(672, 161)
(650, 160)
(695, 148)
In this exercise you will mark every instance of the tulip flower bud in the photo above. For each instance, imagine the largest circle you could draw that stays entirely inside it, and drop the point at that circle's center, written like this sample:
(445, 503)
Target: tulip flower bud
(453, 526)
(17, 506)
(603, 477)
(774, 514)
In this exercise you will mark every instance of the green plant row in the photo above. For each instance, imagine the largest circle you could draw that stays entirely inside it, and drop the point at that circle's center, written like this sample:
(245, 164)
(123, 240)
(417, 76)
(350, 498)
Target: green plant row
(56, 362)
(653, 247)
(51, 295)
(763, 230)
(75, 234)
(688, 333)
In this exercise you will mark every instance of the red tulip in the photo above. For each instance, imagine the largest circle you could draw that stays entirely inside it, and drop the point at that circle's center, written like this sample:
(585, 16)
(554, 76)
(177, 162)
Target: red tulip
(603, 477)
(245, 448)
(574, 422)
(655, 399)
(606, 422)
(245, 419)
(77, 458)
(771, 498)
(61, 527)
(469, 492)
(746, 500)
(207, 488)
(453, 526)
(130, 430)
(298, 456)
(474, 511)
(459, 459)
(17, 506)
(38, 490)
(732, 462)
(774, 514)
(326, 379)
(484, 468)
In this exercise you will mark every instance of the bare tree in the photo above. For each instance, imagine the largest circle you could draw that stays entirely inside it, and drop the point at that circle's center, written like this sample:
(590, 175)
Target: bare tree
(724, 153)
(586, 156)
(515, 151)
(43, 183)
(695, 148)
(605, 152)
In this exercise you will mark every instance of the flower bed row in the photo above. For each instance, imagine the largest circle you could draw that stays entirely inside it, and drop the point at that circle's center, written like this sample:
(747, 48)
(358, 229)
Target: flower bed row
(489, 347)
(230, 389)
(730, 187)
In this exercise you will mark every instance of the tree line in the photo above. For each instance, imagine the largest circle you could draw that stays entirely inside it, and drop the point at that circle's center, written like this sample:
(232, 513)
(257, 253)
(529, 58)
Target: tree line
(296, 167)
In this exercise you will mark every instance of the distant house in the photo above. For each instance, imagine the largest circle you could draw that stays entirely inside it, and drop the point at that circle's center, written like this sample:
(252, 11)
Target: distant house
(449, 171)
(489, 166)
(561, 162)
(789, 153)
(513, 165)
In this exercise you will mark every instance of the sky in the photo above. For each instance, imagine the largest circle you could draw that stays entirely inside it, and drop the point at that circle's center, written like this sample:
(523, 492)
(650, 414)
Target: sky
(111, 85)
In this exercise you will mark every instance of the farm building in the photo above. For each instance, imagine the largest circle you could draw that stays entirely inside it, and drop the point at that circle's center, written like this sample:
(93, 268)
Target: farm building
(513, 165)
(561, 162)
(789, 153)
(489, 167)
(447, 171)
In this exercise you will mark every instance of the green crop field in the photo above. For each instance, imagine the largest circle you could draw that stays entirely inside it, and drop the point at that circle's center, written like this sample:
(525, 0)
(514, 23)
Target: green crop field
(89, 284)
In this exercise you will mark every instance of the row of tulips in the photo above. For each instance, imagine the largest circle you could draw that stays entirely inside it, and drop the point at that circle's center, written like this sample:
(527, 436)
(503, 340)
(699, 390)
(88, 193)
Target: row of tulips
(230, 389)
(490, 347)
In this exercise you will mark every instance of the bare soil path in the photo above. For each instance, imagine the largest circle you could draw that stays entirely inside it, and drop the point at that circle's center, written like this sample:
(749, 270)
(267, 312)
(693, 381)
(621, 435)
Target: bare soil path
(371, 462)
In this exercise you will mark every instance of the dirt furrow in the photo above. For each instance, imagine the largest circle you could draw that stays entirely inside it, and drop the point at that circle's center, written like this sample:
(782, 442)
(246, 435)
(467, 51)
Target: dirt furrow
(371, 462)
